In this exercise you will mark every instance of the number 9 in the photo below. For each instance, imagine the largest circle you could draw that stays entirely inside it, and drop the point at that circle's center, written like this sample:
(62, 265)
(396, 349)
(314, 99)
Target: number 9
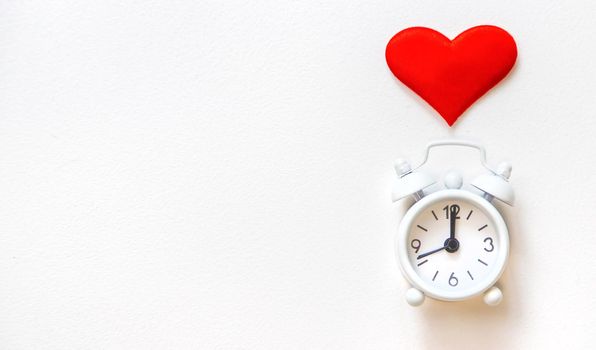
(415, 244)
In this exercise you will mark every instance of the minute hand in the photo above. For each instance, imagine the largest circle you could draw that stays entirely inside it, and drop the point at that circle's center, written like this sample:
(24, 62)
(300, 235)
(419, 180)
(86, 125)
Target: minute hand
(453, 211)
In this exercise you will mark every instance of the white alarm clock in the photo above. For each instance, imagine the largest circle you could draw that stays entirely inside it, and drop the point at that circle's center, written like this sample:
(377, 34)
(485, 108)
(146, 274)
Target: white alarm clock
(452, 244)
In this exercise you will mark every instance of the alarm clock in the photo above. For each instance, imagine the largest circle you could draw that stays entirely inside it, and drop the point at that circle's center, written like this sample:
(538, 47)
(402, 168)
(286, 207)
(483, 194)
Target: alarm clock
(452, 244)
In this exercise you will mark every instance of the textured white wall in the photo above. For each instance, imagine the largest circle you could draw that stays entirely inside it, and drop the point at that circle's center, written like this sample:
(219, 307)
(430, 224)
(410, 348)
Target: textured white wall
(216, 175)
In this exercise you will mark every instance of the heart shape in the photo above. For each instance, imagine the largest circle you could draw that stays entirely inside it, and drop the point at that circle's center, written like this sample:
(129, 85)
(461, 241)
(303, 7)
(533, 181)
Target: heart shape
(451, 74)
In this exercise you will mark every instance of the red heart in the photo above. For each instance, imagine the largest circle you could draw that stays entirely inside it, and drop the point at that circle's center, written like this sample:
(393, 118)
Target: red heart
(451, 74)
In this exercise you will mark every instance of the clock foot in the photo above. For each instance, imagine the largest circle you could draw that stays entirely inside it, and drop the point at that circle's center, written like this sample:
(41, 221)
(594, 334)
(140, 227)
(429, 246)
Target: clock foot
(414, 297)
(493, 296)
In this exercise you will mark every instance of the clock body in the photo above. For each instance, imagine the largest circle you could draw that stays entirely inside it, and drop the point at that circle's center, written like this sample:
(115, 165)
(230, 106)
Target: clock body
(430, 260)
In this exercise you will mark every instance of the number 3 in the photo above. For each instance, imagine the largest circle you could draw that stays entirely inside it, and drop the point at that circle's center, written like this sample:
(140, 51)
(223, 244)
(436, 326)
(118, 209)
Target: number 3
(490, 241)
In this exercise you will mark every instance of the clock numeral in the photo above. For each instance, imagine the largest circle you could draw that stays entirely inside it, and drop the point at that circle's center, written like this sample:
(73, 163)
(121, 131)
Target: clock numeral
(490, 242)
(453, 281)
(416, 244)
(451, 208)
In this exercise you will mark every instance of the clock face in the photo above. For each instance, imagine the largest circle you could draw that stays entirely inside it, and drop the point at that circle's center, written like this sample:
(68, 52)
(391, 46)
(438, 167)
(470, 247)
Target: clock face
(455, 247)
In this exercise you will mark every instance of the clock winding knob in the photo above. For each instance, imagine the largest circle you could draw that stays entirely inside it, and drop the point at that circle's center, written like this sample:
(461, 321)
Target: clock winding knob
(496, 185)
(504, 169)
(453, 180)
(402, 167)
(409, 182)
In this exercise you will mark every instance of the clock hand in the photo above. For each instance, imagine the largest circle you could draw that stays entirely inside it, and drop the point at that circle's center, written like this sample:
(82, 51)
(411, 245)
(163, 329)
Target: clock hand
(451, 244)
(431, 252)
(453, 211)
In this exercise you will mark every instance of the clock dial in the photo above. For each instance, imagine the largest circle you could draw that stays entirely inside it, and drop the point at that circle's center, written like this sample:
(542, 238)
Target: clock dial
(453, 245)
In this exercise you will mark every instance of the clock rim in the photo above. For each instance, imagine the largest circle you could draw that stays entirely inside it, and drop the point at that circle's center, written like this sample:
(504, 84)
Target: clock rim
(401, 244)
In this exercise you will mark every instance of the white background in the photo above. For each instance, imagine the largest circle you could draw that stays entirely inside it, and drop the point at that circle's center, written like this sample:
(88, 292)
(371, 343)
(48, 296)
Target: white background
(216, 175)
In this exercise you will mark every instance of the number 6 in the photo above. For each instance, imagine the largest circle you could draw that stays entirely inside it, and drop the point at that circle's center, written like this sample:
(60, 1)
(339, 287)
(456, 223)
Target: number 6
(452, 278)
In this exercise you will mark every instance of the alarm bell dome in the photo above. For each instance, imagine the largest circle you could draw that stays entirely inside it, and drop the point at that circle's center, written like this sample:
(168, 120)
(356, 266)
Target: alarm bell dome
(408, 182)
(496, 185)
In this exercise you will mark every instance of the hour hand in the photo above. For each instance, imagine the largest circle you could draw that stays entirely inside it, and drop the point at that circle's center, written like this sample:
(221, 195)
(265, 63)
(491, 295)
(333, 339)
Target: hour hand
(431, 252)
